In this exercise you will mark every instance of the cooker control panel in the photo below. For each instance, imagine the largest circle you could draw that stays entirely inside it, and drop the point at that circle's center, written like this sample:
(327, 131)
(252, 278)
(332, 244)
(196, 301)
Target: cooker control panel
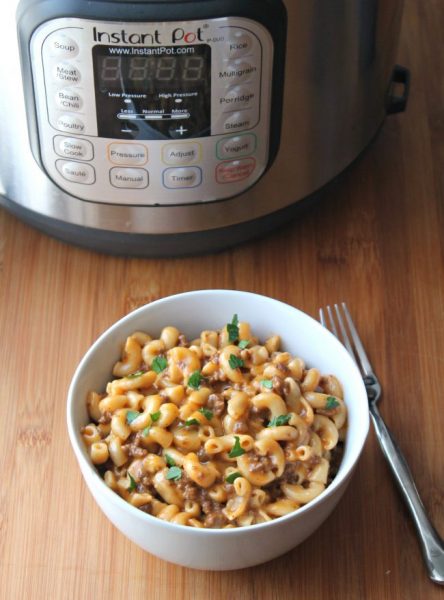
(153, 113)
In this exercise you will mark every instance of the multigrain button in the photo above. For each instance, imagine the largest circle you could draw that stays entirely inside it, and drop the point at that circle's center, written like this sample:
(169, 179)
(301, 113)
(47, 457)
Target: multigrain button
(180, 154)
(236, 146)
(68, 99)
(182, 177)
(237, 71)
(129, 178)
(238, 44)
(71, 147)
(61, 45)
(76, 172)
(70, 123)
(66, 73)
(237, 98)
(128, 154)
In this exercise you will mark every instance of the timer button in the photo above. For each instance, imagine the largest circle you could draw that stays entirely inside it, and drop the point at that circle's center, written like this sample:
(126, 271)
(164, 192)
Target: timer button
(181, 154)
(238, 44)
(76, 172)
(127, 154)
(61, 46)
(71, 147)
(183, 177)
(70, 123)
(129, 178)
(66, 73)
(237, 97)
(236, 146)
(68, 100)
(237, 71)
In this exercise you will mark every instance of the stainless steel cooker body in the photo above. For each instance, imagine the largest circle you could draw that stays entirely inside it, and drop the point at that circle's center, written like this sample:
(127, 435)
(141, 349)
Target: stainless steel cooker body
(339, 69)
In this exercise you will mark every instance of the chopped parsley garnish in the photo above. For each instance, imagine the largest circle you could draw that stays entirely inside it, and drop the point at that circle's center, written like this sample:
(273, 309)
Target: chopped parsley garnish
(243, 344)
(195, 379)
(159, 364)
(237, 449)
(233, 329)
(170, 460)
(280, 420)
(267, 383)
(174, 473)
(331, 403)
(131, 415)
(135, 374)
(207, 413)
(146, 431)
(235, 362)
(132, 485)
(190, 422)
(155, 416)
(232, 477)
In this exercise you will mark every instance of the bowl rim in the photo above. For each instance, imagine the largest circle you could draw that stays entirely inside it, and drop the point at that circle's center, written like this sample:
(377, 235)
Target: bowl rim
(341, 477)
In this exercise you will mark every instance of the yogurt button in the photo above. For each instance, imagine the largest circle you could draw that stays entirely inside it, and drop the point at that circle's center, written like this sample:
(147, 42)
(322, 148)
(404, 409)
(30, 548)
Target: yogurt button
(66, 73)
(238, 44)
(70, 147)
(128, 154)
(76, 172)
(60, 45)
(129, 178)
(70, 123)
(68, 99)
(184, 177)
(236, 146)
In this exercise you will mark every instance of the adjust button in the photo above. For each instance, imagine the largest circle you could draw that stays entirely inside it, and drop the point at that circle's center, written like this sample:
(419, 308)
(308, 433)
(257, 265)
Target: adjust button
(182, 177)
(236, 170)
(129, 178)
(236, 146)
(60, 45)
(128, 154)
(76, 172)
(181, 154)
(70, 123)
(68, 99)
(66, 73)
(71, 147)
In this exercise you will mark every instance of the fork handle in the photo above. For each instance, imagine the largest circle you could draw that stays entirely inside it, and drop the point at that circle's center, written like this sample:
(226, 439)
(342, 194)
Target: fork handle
(432, 545)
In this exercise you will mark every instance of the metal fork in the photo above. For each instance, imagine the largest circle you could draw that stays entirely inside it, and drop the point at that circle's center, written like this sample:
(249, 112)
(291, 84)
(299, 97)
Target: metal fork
(432, 545)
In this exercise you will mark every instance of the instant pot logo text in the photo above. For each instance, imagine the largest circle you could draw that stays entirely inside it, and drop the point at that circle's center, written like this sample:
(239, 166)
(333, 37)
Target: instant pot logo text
(179, 35)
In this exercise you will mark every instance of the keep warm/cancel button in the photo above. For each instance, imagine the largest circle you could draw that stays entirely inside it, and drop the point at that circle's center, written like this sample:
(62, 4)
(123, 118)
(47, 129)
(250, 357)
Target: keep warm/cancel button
(129, 178)
(235, 170)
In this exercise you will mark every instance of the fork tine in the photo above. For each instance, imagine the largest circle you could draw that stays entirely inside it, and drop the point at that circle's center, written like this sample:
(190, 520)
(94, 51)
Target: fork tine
(365, 363)
(345, 337)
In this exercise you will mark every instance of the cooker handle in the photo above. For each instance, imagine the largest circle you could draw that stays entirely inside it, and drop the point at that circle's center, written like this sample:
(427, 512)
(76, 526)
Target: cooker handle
(395, 103)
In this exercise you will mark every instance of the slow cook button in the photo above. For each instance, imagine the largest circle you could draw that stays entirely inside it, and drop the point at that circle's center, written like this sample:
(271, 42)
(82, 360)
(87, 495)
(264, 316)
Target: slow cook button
(129, 178)
(238, 44)
(66, 73)
(60, 45)
(70, 147)
(180, 154)
(127, 154)
(183, 177)
(70, 123)
(236, 170)
(237, 71)
(236, 146)
(76, 172)
(68, 100)
(238, 121)
(238, 97)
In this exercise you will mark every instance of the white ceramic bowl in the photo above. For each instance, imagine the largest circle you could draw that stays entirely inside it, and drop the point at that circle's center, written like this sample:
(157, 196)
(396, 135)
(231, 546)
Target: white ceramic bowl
(192, 312)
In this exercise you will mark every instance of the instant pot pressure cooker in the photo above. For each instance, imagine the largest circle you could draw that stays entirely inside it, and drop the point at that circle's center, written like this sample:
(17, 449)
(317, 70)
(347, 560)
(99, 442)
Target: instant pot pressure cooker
(163, 127)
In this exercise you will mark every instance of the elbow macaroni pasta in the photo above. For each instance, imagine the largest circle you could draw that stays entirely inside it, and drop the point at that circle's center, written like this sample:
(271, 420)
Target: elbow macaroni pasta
(219, 432)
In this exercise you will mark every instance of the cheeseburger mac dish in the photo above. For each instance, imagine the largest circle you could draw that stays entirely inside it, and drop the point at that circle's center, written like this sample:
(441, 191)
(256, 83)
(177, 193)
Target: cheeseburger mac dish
(221, 431)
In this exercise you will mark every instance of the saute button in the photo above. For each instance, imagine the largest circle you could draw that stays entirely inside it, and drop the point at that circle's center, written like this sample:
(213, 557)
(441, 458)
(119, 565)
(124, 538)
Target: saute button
(236, 170)
(61, 45)
(71, 147)
(70, 123)
(238, 121)
(76, 171)
(236, 146)
(237, 71)
(184, 177)
(238, 44)
(68, 99)
(180, 154)
(66, 73)
(128, 154)
(129, 178)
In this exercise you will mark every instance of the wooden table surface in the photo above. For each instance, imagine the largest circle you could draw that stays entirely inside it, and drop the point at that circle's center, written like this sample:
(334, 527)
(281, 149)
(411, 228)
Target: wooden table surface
(376, 241)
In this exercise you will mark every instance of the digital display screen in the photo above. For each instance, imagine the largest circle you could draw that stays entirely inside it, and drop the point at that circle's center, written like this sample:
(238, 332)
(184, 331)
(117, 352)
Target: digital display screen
(153, 92)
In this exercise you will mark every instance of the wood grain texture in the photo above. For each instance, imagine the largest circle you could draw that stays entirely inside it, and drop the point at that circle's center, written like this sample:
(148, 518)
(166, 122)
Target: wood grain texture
(376, 241)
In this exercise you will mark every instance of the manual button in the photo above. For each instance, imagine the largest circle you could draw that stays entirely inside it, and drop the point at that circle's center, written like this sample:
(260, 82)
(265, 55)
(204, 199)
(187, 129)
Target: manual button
(76, 172)
(127, 154)
(71, 147)
(129, 178)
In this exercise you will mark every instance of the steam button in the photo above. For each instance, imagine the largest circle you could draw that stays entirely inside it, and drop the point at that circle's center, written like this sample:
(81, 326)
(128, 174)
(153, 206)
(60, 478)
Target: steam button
(238, 121)
(61, 45)
(66, 73)
(76, 172)
(238, 44)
